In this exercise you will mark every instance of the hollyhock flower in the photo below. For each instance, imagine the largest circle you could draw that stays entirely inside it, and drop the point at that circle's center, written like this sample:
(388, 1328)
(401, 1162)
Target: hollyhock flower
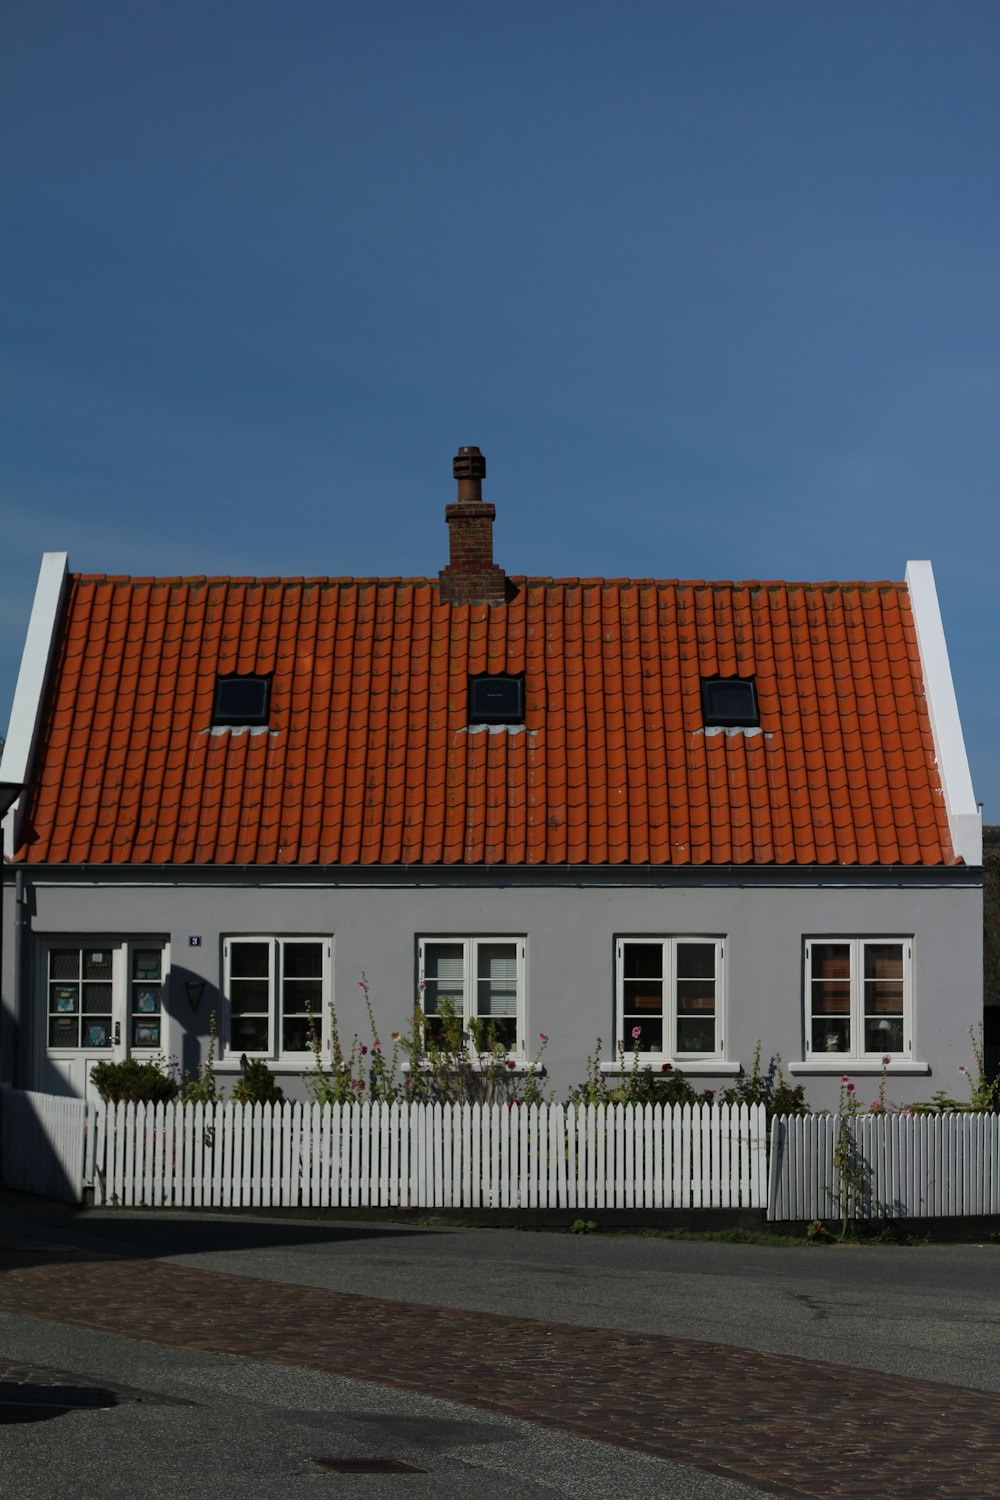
(363, 1051)
(376, 1046)
(852, 1088)
(512, 1066)
(636, 1033)
(542, 1038)
(844, 1081)
(395, 1036)
(666, 1067)
(886, 1060)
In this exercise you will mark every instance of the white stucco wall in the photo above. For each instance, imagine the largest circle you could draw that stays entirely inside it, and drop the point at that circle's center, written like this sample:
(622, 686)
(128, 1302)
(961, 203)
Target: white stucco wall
(570, 932)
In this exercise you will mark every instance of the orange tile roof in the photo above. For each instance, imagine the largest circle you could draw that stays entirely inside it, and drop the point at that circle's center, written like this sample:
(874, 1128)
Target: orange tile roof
(368, 757)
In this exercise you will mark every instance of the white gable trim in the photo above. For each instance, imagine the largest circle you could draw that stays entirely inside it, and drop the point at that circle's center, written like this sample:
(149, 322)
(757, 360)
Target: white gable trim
(964, 818)
(29, 695)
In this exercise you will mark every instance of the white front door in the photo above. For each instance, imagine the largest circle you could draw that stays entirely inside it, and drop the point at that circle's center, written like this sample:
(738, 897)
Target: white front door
(104, 1001)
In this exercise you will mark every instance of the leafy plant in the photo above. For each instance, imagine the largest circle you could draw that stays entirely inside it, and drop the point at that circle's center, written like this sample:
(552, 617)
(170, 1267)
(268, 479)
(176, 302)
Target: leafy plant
(635, 1082)
(202, 1087)
(583, 1226)
(769, 1088)
(133, 1082)
(258, 1085)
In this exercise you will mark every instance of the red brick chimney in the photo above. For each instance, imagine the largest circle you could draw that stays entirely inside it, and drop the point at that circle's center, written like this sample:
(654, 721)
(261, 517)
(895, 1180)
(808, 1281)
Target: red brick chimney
(471, 576)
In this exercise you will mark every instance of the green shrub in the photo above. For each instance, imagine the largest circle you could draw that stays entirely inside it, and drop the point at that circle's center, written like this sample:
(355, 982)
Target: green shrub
(132, 1082)
(258, 1085)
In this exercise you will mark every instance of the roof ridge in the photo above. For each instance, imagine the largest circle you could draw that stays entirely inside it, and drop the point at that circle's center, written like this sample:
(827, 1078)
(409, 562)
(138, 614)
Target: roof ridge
(518, 579)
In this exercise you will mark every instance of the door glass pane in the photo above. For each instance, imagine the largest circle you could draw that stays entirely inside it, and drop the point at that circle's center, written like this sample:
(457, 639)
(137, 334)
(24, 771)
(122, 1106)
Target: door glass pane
(145, 998)
(97, 963)
(64, 997)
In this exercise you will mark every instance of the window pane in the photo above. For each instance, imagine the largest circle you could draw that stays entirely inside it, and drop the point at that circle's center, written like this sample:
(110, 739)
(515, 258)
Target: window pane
(250, 960)
(96, 1034)
(831, 1034)
(145, 963)
(884, 961)
(884, 1035)
(497, 979)
(249, 1034)
(64, 998)
(444, 974)
(64, 1031)
(831, 998)
(300, 995)
(64, 963)
(695, 1034)
(302, 960)
(295, 1033)
(695, 960)
(831, 960)
(96, 963)
(642, 995)
(97, 999)
(642, 960)
(650, 1038)
(695, 994)
(145, 1031)
(249, 996)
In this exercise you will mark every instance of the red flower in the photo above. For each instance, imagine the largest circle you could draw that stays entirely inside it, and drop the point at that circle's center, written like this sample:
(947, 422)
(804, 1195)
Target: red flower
(667, 1068)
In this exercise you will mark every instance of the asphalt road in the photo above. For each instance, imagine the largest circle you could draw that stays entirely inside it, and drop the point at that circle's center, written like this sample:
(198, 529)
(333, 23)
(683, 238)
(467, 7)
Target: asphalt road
(255, 1429)
(930, 1312)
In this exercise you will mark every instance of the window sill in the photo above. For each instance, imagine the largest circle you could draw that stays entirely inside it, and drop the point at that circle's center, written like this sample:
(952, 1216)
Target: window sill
(653, 1062)
(860, 1065)
(302, 1064)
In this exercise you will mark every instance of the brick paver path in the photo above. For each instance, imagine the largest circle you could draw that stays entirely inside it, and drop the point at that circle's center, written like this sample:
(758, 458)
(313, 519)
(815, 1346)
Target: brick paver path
(793, 1427)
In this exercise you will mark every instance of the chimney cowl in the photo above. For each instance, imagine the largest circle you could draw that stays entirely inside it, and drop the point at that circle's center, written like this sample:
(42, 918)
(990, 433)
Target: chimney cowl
(469, 468)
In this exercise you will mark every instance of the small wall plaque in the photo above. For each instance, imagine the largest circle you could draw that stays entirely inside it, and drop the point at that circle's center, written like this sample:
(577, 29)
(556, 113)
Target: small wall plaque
(194, 942)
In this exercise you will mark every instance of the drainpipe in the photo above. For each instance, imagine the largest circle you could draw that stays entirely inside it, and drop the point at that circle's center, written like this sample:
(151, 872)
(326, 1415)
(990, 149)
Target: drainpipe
(20, 927)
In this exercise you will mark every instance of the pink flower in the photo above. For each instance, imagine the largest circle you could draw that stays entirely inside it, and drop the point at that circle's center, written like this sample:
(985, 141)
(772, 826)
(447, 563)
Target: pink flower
(845, 1081)
(409, 1083)
(542, 1038)
(636, 1033)
(877, 1107)
(852, 1088)
(376, 1046)
(886, 1060)
(512, 1066)
(363, 1051)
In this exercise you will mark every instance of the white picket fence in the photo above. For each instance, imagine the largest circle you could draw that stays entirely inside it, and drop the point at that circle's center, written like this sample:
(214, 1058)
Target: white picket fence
(43, 1141)
(910, 1167)
(430, 1156)
(491, 1157)
(411, 1155)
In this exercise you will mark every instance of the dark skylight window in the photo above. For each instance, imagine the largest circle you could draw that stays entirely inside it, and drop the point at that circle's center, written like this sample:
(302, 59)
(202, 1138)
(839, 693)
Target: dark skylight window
(729, 703)
(241, 701)
(496, 700)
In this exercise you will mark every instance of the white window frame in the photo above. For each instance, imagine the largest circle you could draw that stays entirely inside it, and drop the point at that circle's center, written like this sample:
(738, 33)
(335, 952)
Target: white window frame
(685, 1061)
(470, 961)
(857, 1052)
(277, 944)
(121, 1014)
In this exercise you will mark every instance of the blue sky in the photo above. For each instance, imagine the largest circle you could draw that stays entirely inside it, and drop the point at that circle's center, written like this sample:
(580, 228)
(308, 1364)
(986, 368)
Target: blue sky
(714, 286)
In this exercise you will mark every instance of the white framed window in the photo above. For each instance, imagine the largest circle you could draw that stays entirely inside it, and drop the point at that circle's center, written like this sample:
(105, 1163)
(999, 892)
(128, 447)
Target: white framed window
(669, 997)
(104, 997)
(858, 997)
(276, 990)
(483, 977)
